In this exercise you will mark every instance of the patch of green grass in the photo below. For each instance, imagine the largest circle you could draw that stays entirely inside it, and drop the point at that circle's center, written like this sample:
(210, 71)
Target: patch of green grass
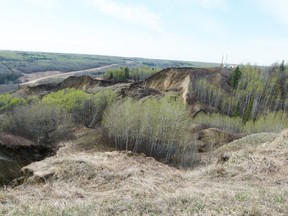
(241, 197)
(198, 206)
(278, 198)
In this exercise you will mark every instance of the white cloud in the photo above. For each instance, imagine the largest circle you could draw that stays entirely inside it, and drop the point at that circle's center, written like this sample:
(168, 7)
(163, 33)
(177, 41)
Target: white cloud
(212, 3)
(48, 4)
(207, 4)
(261, 51)
(206, 24)
(277, 8)
(135, 14)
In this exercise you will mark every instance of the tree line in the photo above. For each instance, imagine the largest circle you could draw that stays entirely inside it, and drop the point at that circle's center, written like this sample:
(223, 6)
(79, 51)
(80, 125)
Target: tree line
(255, 92)
(124, 73)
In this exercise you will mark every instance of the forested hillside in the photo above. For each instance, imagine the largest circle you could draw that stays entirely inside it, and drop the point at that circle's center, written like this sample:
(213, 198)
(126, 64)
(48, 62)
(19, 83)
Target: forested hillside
(256, 96)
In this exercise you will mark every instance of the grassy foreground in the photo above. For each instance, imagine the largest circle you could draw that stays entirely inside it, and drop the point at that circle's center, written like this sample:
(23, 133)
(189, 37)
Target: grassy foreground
(83, 179)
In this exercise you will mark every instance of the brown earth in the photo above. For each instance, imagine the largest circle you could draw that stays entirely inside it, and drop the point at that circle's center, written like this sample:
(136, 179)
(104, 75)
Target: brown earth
(179, 79)
(173, 79)
(210, 139)
(85, 83)
(16, 152)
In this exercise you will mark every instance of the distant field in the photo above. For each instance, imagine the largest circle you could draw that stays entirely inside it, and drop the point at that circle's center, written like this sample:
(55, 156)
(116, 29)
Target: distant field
(30, 62)
(21, 66)
(57, 76)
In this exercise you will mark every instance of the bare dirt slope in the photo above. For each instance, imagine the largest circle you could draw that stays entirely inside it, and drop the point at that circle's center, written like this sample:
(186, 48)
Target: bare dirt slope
(173, 79)
(180, 79)
(85, 83)
(16, 152)
(248, 181)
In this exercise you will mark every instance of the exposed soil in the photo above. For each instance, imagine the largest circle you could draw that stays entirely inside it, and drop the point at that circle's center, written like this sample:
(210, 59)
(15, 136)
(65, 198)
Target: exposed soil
(16, 152)
(85, 83)
(173, 79)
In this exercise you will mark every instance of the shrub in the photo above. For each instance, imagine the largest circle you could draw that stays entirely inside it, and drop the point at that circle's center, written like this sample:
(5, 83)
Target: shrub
(272, 122)
(70, 99)
(35, 121)
(233, 124)
(85, 108)
(76, 102)
(154, 127)
(101, 100)
(8, 102)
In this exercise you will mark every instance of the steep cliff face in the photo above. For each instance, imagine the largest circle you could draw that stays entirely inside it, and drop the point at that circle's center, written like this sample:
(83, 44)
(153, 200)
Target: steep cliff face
(175, 79)
(181, 79)
(16, 152)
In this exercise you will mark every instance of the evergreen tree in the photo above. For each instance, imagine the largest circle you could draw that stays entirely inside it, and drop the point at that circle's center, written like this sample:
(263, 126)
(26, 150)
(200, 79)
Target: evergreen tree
(235, 77)
(282, 66)
(126, 73)
(111, 76)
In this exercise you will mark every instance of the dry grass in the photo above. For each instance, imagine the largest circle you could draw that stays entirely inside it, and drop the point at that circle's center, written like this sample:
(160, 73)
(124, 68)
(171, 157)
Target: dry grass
(87, 140)
(252, 182)
(248, 142)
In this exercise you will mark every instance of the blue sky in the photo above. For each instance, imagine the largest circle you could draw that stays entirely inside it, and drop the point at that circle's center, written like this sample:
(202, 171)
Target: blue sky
(248, 31)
